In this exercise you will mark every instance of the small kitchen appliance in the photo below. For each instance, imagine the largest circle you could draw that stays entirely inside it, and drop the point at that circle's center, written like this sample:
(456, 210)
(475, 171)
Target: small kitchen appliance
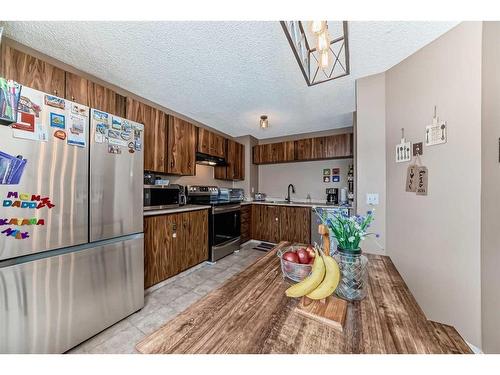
(259, 197)
(160, 197)
(332, 196)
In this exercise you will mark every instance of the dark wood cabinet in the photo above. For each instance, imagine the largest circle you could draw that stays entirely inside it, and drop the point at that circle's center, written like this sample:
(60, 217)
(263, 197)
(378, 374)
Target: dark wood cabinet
(330, 147)
(266, 223)
(246, 223)
(281, 152)
(196, 238)
(94, 95)
(210, 143)
(174, 243)
(77, 88)
(32, 72)
(295, 224)
(235, 158)
(280, 223)
(181, 147)
(155, 134)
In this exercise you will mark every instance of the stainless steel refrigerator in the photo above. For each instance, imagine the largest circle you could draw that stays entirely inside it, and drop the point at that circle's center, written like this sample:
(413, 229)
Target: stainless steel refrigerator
(71, 241)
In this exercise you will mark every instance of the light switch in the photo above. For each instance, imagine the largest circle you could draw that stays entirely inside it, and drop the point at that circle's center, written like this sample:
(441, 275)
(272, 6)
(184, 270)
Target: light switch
(372, 198)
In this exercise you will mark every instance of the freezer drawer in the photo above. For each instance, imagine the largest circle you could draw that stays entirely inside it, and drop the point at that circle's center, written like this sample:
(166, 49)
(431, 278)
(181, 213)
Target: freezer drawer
(52, 304)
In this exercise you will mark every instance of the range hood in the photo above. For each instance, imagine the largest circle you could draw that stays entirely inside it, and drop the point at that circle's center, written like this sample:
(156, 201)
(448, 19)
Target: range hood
(206, 159)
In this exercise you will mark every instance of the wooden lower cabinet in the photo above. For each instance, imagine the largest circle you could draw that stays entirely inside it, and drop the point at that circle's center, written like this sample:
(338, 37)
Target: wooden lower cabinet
(266, 223)
(246, 223)
(279, 223)
(174, 243)
(295, 224)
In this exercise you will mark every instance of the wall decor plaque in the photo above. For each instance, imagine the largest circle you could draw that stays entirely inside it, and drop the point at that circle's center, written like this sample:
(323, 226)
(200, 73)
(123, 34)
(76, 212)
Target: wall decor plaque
(422, 180)
(411, 178)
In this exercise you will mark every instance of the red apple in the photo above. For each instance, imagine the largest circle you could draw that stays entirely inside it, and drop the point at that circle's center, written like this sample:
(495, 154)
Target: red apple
(310, 251)
(303, 256)
(291, 257)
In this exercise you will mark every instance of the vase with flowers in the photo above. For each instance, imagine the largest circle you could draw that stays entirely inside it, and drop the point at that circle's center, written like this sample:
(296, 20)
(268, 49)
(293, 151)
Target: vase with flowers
(349, 232)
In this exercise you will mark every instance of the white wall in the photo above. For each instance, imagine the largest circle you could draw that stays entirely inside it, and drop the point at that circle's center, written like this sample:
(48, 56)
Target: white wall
(490, 207)
(307, 178)
(370, 155)
(434, 240)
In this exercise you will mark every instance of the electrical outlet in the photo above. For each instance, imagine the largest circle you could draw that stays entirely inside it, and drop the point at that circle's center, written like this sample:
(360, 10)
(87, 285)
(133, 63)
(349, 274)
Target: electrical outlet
(372, 199)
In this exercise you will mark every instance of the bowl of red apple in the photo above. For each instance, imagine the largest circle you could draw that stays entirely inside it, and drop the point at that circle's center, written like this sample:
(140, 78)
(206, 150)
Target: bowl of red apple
(296, 261)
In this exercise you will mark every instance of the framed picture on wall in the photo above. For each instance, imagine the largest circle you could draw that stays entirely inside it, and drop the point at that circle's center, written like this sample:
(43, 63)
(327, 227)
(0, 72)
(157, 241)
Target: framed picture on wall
(326, 179)
(326, 172)
(336, 178)
(335, 171)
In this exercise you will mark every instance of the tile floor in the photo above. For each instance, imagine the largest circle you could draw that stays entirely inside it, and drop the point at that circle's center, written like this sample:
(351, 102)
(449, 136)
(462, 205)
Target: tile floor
(165, 300)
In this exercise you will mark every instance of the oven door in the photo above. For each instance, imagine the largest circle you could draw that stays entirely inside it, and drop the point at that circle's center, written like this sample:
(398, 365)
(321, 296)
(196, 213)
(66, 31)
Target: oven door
(226, 230)
(226, 224)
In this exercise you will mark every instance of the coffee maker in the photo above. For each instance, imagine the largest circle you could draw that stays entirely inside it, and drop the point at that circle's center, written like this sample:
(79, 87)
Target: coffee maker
(332, 196)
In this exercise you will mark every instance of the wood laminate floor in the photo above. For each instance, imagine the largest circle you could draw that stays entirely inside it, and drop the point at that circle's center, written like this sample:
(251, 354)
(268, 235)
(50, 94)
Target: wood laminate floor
(166, 302)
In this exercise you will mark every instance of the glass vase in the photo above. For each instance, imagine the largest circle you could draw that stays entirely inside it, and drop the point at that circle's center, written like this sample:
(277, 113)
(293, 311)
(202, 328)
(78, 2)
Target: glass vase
(354, 276)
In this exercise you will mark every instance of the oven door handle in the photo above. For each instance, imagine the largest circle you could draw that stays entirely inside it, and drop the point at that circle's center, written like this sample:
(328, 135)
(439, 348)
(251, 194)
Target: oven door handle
(220, 210)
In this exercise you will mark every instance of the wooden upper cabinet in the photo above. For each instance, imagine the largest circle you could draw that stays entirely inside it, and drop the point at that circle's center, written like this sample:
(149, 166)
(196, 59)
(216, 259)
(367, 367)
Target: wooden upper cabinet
(155, 134)
(181, 147)
(77, 89)
(329, 147)
(235, 159)
(156, 158)
(210, 143)
(81, 90)
(32, 72)
(303, 149)
(281, 152)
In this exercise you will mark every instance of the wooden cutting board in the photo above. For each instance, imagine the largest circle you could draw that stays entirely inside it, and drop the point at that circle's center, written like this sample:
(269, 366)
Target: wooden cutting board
(331, 311)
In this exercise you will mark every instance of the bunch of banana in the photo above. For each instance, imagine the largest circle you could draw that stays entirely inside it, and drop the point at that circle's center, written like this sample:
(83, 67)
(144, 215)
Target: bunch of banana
(322, 281)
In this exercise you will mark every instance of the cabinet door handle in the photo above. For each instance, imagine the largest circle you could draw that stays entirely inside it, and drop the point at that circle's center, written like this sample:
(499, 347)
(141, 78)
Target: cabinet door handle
(171, 164)
(72, 98)
(276, 218)
(55, 92)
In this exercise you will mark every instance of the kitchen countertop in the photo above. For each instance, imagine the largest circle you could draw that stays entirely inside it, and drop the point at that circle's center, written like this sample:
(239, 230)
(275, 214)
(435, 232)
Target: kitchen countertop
(295, 204)
(186, 208)
(251, 314)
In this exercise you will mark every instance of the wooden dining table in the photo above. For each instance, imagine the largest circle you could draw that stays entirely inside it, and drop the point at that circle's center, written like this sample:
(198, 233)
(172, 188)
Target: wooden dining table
(251, 314)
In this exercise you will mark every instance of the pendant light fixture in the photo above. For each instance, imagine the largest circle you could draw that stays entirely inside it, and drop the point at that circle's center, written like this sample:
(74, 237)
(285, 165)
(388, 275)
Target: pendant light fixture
(324, 59)
(264, 122)
(317, 27)
(321, 48)
(323, 41)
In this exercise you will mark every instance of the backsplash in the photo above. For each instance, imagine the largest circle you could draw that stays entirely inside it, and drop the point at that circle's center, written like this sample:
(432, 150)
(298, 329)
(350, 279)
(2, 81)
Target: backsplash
(307, 177)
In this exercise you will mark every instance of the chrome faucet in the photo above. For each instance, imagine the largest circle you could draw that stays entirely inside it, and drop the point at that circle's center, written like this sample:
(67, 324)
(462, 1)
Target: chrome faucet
(293, 191)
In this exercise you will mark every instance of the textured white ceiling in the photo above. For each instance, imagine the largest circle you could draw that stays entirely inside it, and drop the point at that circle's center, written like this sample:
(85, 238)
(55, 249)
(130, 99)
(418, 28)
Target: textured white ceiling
(226, 74)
